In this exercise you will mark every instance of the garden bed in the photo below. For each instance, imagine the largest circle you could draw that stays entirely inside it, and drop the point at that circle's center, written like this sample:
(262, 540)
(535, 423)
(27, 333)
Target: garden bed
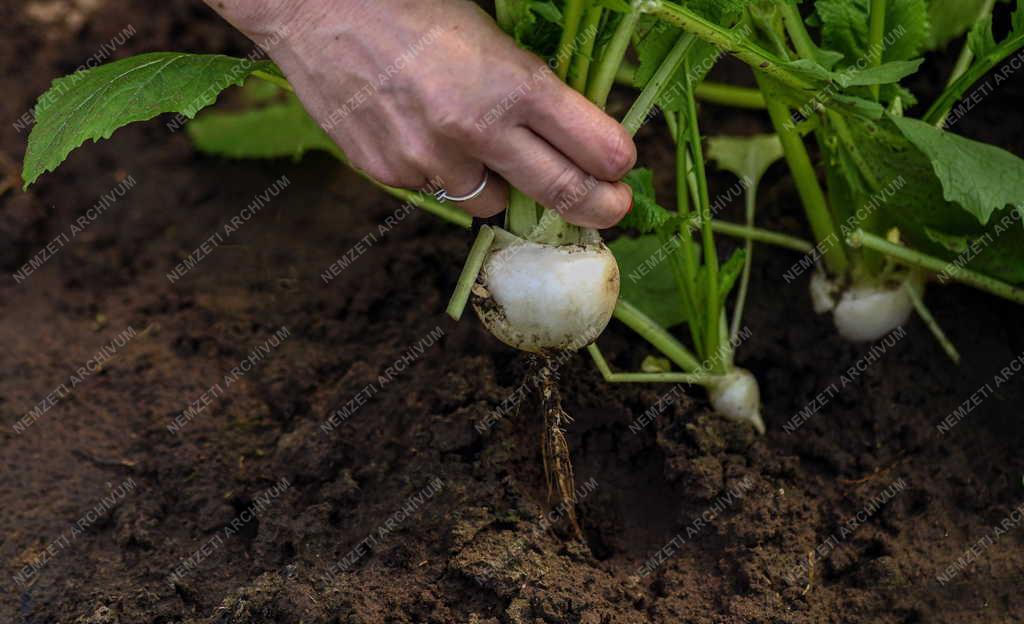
(261, 507)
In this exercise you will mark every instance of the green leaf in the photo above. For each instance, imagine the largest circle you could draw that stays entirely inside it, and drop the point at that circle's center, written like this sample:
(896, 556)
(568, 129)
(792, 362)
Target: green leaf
(981, 40)
(861, 106)
(655, 364)
(93, 103)
(280, 130)
(548, 11)
(656, 38)
(980, 178)
(519, 18)
(747, 157)
(845, 28)
(812, 70)
(951, 18)
(729, 272)
(914, 202)
(886, 73)
(646, 215)
(646, 277)
(620, 6)
(954, 243)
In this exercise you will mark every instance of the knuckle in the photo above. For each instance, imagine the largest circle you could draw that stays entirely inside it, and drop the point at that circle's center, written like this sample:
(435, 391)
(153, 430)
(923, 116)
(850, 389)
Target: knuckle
(455, 123)
(420, 157)
(622, 155)
(388, 173)
(566, 190)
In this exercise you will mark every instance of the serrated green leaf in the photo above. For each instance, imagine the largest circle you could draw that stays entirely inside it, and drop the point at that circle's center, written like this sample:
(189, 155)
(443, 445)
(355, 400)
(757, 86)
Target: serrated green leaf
(656, 38)
(845, 28)
(519, 18)
(94, 103)
(916, 204)
(951, 18)
(812, 70)
(980, 178)
(647, 280)
(281, 130)
(886, 73)
(646, 216)
(981, 40)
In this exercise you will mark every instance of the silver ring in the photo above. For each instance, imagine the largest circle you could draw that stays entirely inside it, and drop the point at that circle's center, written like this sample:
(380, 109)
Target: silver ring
(442, 195)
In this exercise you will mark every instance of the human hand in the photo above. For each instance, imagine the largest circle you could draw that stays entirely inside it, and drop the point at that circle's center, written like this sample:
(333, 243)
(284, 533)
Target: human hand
(421, 91)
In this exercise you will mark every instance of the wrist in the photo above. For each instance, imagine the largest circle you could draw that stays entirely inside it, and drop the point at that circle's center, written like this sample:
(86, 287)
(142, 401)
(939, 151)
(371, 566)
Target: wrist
(273, 20)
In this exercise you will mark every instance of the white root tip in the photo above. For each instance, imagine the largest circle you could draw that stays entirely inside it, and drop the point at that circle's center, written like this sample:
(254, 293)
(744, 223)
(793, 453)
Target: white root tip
(867, 313)
(738, 397)
(823, 293)
(541, 298)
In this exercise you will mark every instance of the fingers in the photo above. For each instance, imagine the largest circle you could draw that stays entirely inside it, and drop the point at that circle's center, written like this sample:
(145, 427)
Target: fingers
(536, 168)
(594, 141)
(466, 178)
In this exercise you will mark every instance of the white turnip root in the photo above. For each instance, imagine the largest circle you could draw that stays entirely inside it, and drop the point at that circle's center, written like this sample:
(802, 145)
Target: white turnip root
(546, 298)
(863, 312)
(737, 396)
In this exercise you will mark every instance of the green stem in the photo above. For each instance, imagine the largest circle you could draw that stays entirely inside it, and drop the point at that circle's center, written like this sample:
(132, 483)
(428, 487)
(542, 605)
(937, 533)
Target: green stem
(744, 49)
(673, 124)
(626, 74)
(759, 235)
(748, 261)
(604, 74)
(914, 258)
(641, 109)
(729, 95)
(585, 53)
(660, 339)
(876, 31)
(712, 300)
(271, 78)
(801, 39)
(686, 271)
(911, 285)
(707, 91)
(426, 202)
(521, 216)
(940, 109)
(572, 14)
(963, 62)
(807, 186)
(613, 377)
(470, 271)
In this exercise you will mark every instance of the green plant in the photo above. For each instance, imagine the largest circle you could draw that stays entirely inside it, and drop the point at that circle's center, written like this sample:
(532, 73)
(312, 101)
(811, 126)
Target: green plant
(905, 199)
(539, 283)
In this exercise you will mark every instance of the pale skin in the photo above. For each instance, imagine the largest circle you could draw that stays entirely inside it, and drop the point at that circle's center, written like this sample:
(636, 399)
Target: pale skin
(415, 91)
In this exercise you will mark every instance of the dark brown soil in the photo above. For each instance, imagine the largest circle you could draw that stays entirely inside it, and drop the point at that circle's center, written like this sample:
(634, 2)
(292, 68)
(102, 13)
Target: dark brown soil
(466, 540)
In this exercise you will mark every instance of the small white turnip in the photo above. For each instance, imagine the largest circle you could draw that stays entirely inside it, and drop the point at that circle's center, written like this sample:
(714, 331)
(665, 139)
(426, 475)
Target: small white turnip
(737, 396)
(544, 298)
